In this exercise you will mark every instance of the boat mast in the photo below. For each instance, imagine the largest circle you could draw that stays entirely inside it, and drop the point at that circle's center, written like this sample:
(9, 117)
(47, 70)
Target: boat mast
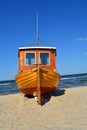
(38, 69)
(37, 38)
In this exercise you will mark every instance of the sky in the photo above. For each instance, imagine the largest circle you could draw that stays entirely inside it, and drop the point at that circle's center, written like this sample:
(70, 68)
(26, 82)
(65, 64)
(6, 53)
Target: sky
(62, 24)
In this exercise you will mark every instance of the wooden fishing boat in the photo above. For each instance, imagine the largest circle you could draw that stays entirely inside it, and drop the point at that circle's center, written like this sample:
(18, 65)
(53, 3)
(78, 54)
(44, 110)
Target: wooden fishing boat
(37, 71)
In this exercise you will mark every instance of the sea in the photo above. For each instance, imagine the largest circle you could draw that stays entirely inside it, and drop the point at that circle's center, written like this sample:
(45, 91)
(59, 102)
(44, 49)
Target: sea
(67, 81)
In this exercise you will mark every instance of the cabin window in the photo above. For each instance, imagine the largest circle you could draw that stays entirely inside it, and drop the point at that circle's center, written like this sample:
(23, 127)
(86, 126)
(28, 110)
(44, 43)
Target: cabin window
(30, 58)
(44, 58)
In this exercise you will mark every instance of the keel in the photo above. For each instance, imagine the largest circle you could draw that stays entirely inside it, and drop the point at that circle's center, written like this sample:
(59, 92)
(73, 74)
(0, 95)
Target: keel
(39, 97)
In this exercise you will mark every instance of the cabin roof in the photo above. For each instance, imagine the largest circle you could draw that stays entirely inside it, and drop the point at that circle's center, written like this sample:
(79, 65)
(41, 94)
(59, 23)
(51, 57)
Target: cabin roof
(37, 47)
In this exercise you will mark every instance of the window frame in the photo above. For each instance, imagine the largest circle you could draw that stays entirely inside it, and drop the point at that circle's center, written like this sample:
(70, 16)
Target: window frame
(49, 58)
(25, 58)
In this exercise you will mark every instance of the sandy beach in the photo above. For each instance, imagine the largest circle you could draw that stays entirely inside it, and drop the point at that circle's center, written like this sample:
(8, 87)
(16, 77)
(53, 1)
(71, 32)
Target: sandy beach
(66, 109)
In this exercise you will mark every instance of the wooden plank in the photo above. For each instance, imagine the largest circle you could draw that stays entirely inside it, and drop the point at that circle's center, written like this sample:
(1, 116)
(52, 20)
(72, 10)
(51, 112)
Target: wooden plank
(27, 77)
(51, 79)
(50, 73)
(25, 74)
(53, 74)
(21, 86)
(27, 82)
(47, 83)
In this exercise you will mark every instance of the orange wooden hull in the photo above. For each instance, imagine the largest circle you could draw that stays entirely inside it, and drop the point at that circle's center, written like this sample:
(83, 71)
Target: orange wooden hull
(27, 82)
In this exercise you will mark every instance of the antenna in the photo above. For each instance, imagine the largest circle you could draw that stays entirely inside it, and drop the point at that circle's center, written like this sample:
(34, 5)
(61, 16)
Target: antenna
(37, 38)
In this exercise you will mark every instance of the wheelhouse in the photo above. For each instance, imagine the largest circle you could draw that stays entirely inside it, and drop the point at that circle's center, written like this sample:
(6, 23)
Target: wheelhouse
(29, 57)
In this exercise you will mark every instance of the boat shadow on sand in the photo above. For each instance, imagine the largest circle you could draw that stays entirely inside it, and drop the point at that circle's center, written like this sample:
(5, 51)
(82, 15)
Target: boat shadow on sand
(46, 98)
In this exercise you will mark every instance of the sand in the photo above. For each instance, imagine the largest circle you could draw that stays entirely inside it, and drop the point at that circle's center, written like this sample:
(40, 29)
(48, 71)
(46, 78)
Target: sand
(64, 110)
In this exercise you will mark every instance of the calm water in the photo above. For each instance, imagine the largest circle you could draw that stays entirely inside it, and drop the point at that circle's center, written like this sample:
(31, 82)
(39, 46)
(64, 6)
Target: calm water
(67, 81)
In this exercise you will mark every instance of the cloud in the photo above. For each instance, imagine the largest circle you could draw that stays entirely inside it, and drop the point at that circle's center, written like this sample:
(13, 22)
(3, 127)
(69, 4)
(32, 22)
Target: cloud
(82, 39)
(85, 53)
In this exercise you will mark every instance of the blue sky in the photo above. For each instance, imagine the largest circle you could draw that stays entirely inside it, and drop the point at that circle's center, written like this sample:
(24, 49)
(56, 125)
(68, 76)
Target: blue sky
(62, 23)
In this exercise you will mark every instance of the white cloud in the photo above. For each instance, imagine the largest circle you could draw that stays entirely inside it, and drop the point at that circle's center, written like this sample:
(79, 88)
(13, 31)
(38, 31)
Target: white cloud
(82, 39)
